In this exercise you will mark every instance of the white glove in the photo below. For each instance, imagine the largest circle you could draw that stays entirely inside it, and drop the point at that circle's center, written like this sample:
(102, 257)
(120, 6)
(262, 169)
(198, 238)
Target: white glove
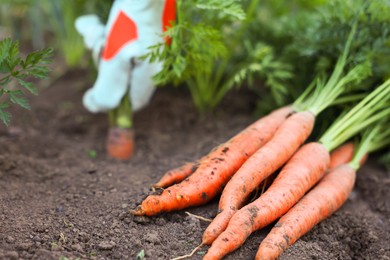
(132, 27)
(92, 30)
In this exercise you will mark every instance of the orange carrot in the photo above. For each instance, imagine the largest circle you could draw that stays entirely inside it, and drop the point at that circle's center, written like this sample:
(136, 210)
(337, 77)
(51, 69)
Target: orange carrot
(176, 175)
(341, 155)
(299, 175)
(323, 200)
(287, 139)
(344, 154)
(216, 169)
(120, 143)
(307, 166)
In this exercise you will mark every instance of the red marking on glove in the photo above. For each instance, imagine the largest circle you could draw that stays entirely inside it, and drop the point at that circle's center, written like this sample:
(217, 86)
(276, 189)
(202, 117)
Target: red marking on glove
(169, 16)
(123, 31)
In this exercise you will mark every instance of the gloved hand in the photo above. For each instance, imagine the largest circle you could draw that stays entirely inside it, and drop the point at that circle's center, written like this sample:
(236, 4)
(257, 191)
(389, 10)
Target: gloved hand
(132, 27)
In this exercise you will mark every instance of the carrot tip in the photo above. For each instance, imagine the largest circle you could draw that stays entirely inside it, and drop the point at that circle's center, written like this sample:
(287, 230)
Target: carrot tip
(120, 143)
(138, 211)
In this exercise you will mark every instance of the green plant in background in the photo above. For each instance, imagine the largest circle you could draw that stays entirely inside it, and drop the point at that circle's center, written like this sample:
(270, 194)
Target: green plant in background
(15, 73)
(314, 37)
(45, 22)
(211, 54)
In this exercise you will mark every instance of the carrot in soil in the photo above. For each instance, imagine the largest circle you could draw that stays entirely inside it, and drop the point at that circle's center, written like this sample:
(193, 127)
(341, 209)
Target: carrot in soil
(285, 142)
(216, 168)
(307, 166)
(176, 175)
(328, 196)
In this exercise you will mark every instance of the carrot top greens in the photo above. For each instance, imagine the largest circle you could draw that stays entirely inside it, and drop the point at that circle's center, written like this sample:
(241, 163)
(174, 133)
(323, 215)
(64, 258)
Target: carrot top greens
(373, 139)
(373, 108)
(321, 94)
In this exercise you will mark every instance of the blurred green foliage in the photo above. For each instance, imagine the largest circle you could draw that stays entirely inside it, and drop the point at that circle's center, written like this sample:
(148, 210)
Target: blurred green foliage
(218, 45)
(40, 23)
(213, 50)
(16, 74)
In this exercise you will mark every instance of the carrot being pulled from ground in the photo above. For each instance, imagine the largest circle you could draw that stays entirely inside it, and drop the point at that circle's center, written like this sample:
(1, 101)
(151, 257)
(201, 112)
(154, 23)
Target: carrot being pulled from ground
(120, 138)
(216, 168)
(307, 166)
(322, 201)
(289, 137)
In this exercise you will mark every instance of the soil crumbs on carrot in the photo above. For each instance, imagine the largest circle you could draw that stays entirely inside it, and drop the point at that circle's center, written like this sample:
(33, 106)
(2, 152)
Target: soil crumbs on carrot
(62, 198)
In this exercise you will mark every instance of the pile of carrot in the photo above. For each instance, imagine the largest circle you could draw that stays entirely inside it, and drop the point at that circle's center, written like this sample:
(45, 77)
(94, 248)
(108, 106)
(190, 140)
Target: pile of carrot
(315, 178)
(264, 146)
(301, 173)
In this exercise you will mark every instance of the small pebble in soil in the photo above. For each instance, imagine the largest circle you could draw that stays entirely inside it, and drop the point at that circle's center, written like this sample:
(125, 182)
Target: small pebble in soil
(24, 246)
(142, 220)
(105, 245)
(117, 255)
(77, 247)
(83, 236)
(10, 240)
(12, 255)
(152, 237)
(160, 222)
(122, 215)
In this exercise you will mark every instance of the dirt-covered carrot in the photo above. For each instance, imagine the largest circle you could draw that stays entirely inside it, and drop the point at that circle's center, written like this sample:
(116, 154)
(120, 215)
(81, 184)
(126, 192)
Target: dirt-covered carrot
(176, 175)
(320, 203)
(216, 168)
(285, 142)
(323, 200)
(289, 137)
(302, 172)
(304, 169)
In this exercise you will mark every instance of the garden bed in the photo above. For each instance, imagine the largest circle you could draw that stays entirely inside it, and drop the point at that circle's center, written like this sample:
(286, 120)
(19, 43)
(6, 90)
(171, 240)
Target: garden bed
(61, 197)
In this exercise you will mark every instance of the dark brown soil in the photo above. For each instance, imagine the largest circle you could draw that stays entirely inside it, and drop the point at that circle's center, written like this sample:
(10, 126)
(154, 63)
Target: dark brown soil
(59, 201)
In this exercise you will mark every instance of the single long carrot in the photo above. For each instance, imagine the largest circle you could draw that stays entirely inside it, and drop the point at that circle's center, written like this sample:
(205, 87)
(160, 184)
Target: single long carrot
(216, 169)
(323, 200)
(307, 166)
(176, 175)
(287, 139)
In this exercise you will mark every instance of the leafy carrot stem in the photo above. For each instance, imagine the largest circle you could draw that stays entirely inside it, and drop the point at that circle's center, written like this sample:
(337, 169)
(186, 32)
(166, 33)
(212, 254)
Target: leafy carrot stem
(326, 92)
(371, 109)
